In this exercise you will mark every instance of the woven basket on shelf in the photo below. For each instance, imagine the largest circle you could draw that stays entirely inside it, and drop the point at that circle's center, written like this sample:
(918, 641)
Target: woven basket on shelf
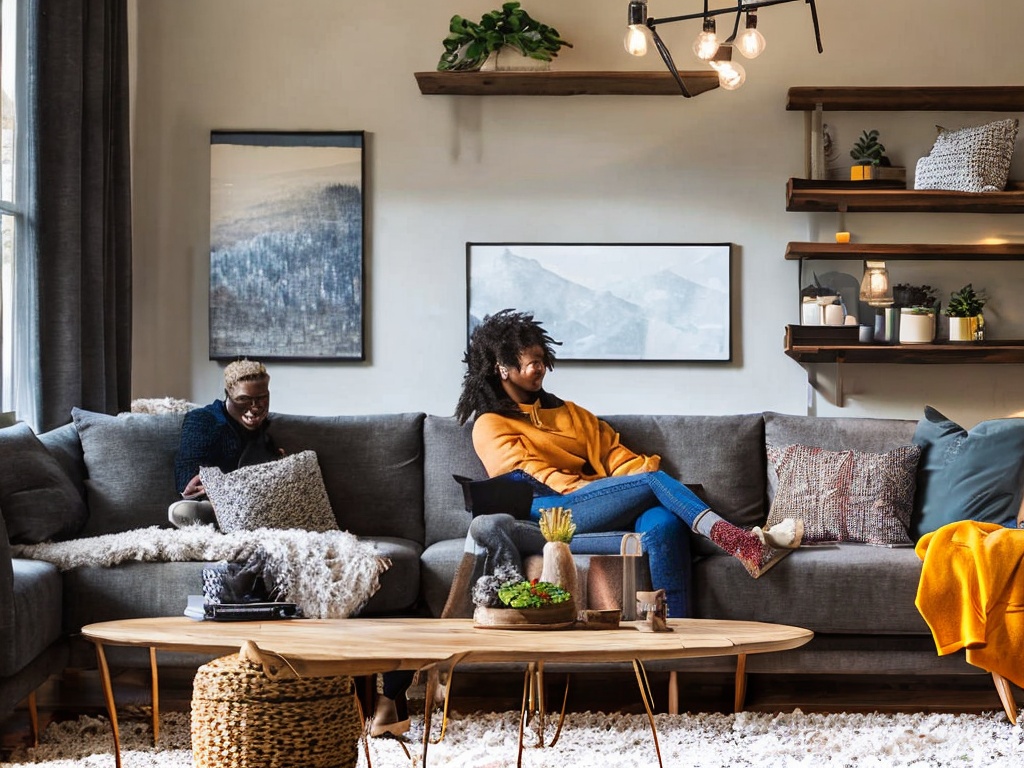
(241, 718)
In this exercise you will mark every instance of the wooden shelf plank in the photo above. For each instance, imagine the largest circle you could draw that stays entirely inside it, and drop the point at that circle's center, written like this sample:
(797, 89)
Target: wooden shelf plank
(800, 197)
(906, 251)
(563, 83)
(1000, 352)
(1008, 98)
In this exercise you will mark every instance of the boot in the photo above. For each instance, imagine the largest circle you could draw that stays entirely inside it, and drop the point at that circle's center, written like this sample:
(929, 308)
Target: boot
(460, 599)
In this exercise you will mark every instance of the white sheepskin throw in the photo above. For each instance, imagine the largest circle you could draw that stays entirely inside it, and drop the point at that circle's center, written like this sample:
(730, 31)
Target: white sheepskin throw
(162, 405)
(329, 575)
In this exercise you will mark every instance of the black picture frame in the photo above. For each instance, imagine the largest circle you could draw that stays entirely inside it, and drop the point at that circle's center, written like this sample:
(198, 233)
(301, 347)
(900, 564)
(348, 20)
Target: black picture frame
(611, 301)
(287, 243)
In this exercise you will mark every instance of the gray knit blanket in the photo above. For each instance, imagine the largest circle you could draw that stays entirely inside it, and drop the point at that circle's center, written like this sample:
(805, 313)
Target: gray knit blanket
(329, 575)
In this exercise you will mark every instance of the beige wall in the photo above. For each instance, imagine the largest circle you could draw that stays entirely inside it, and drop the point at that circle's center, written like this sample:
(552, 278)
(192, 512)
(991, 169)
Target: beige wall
(443, 171)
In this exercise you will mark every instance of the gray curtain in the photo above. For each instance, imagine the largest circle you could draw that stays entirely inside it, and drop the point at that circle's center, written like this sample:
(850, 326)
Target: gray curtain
(83, 208)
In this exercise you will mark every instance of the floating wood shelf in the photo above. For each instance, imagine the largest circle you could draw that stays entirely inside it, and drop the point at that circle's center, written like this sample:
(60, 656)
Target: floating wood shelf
(803, 196)
(883, 99)
(906, 251)
(563, 83)
(1007, 352)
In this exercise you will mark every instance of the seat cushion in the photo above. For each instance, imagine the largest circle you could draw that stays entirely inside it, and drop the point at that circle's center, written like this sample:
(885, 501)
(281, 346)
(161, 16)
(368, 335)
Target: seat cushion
(35, 616)
(842, 588)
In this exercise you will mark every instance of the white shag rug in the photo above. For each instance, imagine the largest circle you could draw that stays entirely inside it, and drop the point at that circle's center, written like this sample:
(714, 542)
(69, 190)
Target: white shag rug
(597, 740)
(330, 575)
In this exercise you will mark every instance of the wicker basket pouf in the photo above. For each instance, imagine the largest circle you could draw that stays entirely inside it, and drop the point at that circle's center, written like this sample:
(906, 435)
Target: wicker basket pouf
(242, 718)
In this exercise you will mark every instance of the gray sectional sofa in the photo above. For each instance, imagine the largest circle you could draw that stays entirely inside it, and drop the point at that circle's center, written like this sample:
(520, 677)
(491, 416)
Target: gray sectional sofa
(389, 479)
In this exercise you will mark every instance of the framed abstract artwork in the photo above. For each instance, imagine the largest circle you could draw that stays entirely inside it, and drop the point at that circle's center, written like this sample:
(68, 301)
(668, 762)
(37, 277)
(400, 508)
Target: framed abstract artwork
(611, 301)
(286, 245)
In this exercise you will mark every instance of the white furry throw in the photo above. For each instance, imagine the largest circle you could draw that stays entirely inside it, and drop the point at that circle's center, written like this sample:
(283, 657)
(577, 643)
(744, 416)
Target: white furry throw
(329, 575)
(162, 405)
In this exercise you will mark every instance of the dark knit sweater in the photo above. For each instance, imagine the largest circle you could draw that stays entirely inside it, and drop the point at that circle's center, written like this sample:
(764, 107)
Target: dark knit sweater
(211, 438)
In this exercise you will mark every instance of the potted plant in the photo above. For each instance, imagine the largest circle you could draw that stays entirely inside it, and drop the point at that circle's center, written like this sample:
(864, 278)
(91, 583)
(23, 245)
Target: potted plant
(507, 599)
(966, 323)
(472, 46)
(870, 161)
(559, 568)
(918, 307)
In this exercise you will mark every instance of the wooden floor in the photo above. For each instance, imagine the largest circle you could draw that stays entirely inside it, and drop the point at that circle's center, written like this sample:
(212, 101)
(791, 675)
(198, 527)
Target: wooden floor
(77, 693)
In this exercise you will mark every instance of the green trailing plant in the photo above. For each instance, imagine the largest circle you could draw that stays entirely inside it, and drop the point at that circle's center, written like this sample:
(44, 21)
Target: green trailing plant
(468, 43)
(531, 594)
(965, 303)
(921, 297)
(868, 150)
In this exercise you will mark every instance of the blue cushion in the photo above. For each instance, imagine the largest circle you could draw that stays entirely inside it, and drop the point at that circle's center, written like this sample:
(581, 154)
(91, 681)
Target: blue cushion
(975, 474)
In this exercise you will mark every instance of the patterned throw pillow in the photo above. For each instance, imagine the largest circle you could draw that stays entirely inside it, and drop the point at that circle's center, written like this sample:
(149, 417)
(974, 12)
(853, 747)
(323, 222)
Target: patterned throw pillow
(845, 495)
(969, 160)
(288, 493)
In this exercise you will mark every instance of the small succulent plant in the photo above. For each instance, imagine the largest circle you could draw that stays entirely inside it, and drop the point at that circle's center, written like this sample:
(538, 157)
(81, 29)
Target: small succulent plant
(868, 150)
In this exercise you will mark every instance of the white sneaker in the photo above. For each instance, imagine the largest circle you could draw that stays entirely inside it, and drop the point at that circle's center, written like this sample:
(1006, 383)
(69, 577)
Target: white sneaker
(190, 512)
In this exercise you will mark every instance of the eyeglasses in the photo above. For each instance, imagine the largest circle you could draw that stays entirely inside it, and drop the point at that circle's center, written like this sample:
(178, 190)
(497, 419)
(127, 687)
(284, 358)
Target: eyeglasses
(245, 402)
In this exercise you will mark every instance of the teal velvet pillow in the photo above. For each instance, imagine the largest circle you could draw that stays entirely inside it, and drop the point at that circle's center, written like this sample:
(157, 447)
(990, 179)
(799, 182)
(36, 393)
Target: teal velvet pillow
(975, 474)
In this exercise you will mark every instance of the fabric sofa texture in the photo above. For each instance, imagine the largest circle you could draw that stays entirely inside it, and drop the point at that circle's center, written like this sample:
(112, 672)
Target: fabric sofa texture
(389, 480)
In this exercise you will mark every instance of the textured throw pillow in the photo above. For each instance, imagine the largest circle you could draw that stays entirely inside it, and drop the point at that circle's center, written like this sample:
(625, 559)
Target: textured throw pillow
(129, 460)
(973, 159)
(38, 501)
(288, 493)
(845, 495)
(975, 474)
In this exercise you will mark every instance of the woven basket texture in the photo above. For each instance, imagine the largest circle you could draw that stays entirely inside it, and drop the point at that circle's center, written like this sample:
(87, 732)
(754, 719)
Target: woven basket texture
(243, 719)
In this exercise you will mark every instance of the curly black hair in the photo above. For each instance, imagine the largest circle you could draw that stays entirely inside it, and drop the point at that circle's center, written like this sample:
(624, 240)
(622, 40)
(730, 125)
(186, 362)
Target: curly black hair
(498, 340)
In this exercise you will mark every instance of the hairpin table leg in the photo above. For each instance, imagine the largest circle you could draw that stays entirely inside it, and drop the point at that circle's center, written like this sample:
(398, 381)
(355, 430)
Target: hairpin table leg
(648, 699)
(108, 696)
(33, 717)
(154, 684)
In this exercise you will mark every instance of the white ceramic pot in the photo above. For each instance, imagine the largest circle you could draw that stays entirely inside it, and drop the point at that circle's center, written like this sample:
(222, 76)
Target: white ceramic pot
(507, 59)
(963, 328)
(916, 328)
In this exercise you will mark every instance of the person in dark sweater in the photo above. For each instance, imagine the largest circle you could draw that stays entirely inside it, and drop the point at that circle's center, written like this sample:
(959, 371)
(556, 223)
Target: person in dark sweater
(227, 434)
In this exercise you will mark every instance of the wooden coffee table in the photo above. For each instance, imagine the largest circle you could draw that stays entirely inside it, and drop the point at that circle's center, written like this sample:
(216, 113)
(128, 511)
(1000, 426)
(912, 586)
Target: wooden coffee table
(367, 646)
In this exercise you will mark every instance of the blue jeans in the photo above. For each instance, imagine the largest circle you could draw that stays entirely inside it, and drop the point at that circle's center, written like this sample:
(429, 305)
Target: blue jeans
(652, 503)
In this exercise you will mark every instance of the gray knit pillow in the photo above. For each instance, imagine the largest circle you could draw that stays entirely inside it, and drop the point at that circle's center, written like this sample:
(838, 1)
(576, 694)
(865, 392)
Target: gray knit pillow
(288, 493)
(969, 160)
(845, 495)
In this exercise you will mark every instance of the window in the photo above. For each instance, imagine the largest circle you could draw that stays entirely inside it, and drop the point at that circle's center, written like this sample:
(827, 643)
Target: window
(12, 209)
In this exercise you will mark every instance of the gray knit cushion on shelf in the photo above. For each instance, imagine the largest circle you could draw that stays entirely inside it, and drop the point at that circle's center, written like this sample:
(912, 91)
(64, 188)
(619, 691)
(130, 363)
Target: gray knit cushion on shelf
(288, 493)
(975, 159)
(848, 496)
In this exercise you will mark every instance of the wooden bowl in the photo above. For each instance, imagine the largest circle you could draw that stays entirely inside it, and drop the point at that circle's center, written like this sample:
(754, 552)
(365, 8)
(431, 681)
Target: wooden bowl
(556, 616)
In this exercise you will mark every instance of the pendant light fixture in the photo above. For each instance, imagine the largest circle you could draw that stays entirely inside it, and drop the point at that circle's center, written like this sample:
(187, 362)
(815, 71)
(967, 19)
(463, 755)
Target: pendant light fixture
(708, 46)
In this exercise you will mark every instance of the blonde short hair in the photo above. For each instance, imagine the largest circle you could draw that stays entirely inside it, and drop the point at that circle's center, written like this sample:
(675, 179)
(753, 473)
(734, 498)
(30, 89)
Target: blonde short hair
(244, 370)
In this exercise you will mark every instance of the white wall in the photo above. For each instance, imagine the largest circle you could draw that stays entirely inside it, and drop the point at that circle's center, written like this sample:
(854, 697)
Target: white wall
(446, 170)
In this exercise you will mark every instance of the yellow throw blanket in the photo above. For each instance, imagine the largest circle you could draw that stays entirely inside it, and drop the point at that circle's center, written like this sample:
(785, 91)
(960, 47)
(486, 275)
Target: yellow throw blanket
(971, 594)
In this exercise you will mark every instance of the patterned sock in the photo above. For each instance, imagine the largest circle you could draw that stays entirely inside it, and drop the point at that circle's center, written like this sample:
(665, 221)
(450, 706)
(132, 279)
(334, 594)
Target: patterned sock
(745, 547)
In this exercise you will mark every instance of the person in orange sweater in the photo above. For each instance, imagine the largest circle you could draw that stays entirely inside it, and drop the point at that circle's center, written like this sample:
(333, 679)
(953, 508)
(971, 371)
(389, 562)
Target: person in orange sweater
(576, 460)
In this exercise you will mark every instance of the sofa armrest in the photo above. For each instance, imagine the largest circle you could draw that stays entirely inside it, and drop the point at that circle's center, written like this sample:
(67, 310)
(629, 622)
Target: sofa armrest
(6, 585)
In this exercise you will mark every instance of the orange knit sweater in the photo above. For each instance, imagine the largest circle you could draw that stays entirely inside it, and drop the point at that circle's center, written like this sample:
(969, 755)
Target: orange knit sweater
(565, 447)
(971, 594)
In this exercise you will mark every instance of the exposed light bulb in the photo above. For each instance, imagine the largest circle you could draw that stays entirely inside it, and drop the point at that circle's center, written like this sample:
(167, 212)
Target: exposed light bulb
(731, 75)
(636, 40)
(706, 44)
(751, 42)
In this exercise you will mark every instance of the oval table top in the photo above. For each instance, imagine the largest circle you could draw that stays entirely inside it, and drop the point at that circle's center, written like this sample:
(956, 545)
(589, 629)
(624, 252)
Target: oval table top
(364, 646)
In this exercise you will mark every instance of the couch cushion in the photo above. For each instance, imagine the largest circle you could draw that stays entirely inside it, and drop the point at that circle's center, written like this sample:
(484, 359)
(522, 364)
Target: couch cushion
(724, 454)
(129, 459)
(288, 493)
(34, 615)
(37, 498)
(399, 584)
(975, 474)
(447, 450)
(372, 468)
(842, 588)
(845, 495)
